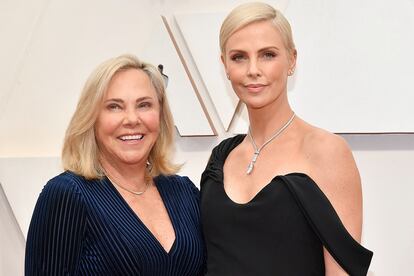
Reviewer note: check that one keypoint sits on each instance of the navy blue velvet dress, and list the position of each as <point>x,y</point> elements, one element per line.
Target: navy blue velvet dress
<point>85,227</point>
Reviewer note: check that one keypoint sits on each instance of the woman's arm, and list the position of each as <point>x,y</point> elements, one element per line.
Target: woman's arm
<point>54,240</point>
<point>335,171</point>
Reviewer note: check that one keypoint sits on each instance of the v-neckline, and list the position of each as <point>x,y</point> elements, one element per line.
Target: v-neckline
<point>144,226</point>
<point>238,140</point>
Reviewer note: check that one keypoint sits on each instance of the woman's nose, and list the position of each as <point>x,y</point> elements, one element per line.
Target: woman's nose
<point>253,69</point>
<point>132,117</point>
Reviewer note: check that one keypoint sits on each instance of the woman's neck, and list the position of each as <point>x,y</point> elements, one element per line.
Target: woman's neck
<point>132,176</point>
<point>266,121</point>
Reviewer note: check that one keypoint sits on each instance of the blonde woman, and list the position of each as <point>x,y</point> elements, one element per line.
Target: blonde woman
<point>285,199</point>
<point>118,209</point>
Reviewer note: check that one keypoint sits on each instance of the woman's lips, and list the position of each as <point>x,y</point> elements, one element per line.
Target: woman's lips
<point>131,139</point>
<point>255,87</point>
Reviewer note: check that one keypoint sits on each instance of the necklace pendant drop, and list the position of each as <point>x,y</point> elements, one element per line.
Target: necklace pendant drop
<point>251,164</point>
<point>250,168</point>
<point>258,149</point>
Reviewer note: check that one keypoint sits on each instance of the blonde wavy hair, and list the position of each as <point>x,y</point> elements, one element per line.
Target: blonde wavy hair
<point>80,152</point>
<point>248,13</point>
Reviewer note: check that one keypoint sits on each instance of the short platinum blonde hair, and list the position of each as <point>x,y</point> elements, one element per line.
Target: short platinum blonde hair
<point>81,153</point>
<point>248,13</point>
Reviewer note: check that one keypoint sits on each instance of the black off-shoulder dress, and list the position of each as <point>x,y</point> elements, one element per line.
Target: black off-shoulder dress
<point>281,231</point>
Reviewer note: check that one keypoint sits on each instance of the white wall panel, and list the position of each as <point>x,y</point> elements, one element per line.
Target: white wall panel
<point>200,32</point>
<point>355,64</point>
<point>11,240</point>
<point>22,180</point>
<point>386,163</point>
<point>185,106</point>
<point>18,24</point>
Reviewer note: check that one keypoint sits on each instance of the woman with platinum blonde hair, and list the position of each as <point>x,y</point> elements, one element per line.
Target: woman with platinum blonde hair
<point>285,199</point>
<point>118,209</point>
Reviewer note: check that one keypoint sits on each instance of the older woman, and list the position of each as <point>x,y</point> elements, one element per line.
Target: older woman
<point>118,209</point>
<point>286,198</point>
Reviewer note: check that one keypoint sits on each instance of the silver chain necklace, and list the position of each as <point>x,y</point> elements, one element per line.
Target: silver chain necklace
<point>128,190</point>
<point>258,150</point>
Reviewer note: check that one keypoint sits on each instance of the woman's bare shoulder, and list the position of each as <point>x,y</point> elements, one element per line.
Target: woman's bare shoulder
<point>333,168</point>
<point>323,147</point>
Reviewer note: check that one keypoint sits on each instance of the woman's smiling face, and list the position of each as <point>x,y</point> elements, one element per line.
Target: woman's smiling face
<point>129,119</point>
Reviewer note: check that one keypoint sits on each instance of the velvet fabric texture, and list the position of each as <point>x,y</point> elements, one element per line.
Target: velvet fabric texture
<point>85,227</point>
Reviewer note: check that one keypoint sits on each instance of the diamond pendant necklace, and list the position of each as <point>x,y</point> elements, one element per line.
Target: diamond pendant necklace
<point>258,150</point>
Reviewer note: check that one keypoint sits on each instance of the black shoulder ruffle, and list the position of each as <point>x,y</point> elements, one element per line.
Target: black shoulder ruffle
<point>350,255</point>
<point>218,155</point>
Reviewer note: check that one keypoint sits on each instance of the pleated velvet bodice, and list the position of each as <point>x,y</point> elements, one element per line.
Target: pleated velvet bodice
<point>85,227</point>
<point>281,231</point>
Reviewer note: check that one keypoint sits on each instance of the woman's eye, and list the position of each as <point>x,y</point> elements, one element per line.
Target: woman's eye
<point>269,55</point>
<point>113,106</point>
<point>237,58</point>
<point>144,105</point>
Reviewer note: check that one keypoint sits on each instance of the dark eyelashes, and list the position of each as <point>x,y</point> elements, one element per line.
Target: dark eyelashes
<point>113,106</point>
<point>236,57</point>
<point>145,104</point>
<point>267,55</point>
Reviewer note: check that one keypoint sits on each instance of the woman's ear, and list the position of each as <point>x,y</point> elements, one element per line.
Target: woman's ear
<point>292,61</point>
<point>223,60</point>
